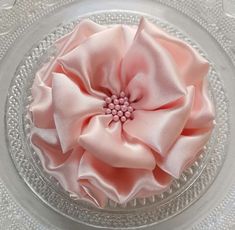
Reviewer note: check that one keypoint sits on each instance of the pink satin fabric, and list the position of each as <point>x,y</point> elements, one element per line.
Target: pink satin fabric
<point>95,158</point>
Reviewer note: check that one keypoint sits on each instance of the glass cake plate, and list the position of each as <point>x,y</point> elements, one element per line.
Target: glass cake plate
<point>203,197</point>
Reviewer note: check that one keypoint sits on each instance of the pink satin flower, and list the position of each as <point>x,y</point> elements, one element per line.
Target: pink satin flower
<point>95,156</point>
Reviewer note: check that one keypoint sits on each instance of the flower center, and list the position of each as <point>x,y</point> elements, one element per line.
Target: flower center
<point>119,107</point>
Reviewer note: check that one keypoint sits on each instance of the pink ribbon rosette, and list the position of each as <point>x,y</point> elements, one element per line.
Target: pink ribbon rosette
<point>120,111</point>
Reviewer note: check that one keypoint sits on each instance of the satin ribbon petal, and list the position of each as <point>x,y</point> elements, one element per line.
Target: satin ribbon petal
<point>183,152</point>
<point>64,167</point>
<point>92,194</point>
<point>202,114</point>
<point>41,92</point>
<point>159,129</point>
<point>84,30</point>
<point>96,61</point>
<point>192,67</point>
<point>42,105</point>
<point>113,148</point>
<point>72,108</point>
<point>149,75</point>
<point>133,182</point>
<point>81,32</point>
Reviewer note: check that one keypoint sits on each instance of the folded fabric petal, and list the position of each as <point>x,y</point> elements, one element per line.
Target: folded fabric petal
<point>63,167</point>
<point>183,152</point>
<point>149,75</point>
<point>92,194</point>
<point>97,60</point>
<point>50,155</point>
<point>81,32</point>
<point>72,108</point>
<point>159,129</point>
<point>202,114</point>
<point>133,182</point>
<point>191,66</point>
<point>114,149</point>
<point>42,105</point>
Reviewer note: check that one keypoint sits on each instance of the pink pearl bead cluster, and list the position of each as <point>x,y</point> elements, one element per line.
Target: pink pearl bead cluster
<point>119,107</point>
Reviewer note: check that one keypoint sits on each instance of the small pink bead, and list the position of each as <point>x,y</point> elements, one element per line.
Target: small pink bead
<point>123,118</point>
<point>124,108</point>
<point>117,107</point>
<point>114,111</point>
<point>108,111</point>
<point>111,106</point>
<point>121,101</point>
<point>108,100</point>
<point>114,96</point>
<point>126,103</point>
<point>116,101</point>
<point>125,98</point>
<point>120,113</point>
<point>127,114</point>
<point>130,109</point>
<point>116,118</point>
<point>122,94</point>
